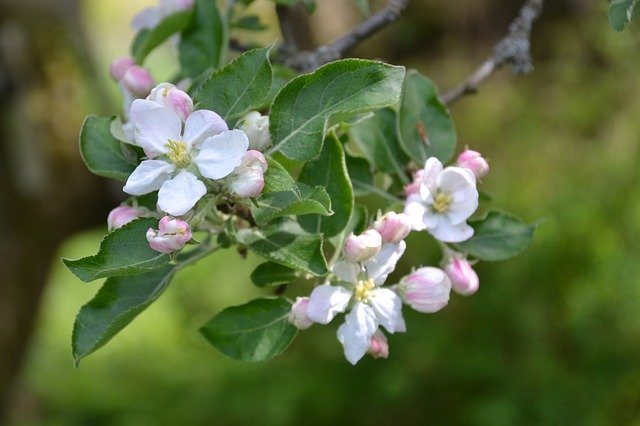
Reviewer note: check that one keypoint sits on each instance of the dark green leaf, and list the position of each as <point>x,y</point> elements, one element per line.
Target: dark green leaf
<point>124,251</point>
<point>277,178</point>
<point>250,22</point>
<point>425,128</point>
<point>361,176</point>
<point>621,12</point>
<point>204,40</point>
<point>293,202</point>
<point>253,332</point>
<point>147,40</point>
<point>269,273</point>
<point>304,109</point>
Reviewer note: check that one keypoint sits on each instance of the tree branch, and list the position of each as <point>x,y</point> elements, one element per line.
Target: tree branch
<point>514,49</point>
<point>308,61</point>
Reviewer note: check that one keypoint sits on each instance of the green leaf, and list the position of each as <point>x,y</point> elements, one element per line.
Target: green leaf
<point>498,236</point>
<point>277,178</point>
<point>293,202</point>
<point>269,273</point>
<point>204,41</point>
<point>147,40</point>
<point>376,137</point>
<point>621,12</point>
<point>256,331</point>
<point>361,176</point>
<point>250,22</point>
<point>425,128</point>
<point>297,251</point>
<point>118,302</point>
<point>330,172</point>
<point>309,104</point>
<point>103,154</point>
<point>240,86</point>
<point>125,251</point>
<point>363,7</point>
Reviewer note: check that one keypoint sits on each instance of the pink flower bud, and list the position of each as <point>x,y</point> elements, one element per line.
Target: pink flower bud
<point>298,315</point>
<point>122,215</point>
<point>393,227</point>
<point>119,67</point>
<point>256,126</point>
<point>247,180</point>
<point>138,81</point>
<point>379,347</point>
<point>414,186</point>
<point>362,247</point>
<point>172,235</point>
<point>463,278</point>
<point>474,161</point>
<point>426,289</point>
<point>173,98</point>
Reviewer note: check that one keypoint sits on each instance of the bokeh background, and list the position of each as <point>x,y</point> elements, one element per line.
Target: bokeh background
<point>552,337</point>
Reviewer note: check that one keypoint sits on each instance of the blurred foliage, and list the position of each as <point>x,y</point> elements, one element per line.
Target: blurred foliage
<point>552,337</point>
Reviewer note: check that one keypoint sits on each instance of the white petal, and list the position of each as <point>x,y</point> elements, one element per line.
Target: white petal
<point>449,233</point>
<point>415,209</point>
<point>326,301</point>
<point>145,19</point>
<point>155,125</point>
<point>379,268</point>
<point>148,177</point>
<point>221,154</point>
<point>355,334</point>
<point>432,168</point>
<point>178,195</point>
<point>346,271</point>
<point>388,308</point>
<point>201,125</point>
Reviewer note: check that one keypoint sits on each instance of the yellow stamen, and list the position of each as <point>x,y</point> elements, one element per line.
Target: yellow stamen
<point>363,290</point>
<point>442,202</point>
<point>178,153</point>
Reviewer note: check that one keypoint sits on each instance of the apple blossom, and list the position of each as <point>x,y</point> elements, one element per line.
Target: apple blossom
<point>204,148</point>
<point>379,347</point>
<point>119,67</point>
<point>463,278</point>
<point>247,180</point>
<point>446,200</point>
<point>393,227</point>
<point>172,235</point>
<point>361,247</point>
<point>124,214</point>
<point>137,81</point>
<point>151,16</point>
<point>473,161</point>
<point>256,126</point>
<point>298,315</point>
<point>426,289</point>
<point>173,98</point>
<point>414,186</point>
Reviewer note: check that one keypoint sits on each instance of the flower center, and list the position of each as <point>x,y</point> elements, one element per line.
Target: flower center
<point>178,153</point>
<point>363,290</point>
<point>442,202</point>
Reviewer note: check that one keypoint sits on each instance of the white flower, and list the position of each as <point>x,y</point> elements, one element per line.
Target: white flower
<point>151,16</point>
<point>372,305</point>
<point>178,157</point>
<point>256,126</point>
<point>446,200</point>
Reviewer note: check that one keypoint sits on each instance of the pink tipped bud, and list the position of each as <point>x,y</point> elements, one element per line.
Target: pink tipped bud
<point>256,126</point>
<point>173,98</point>
<point>119,67</point>
<point>414,186</point>
<point>362,247</point>
<point>426,289</point>
<point>463,278</point>
<point>298,315</point>
<point>393,227</point>
<point>138,81</point>
<point>247,180</point>
<point>172,235</point>
<point>122,215</point>
<point>379,347</point>
<point>474,161</point>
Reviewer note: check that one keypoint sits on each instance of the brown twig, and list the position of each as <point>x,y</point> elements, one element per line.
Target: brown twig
<point>310,60</point>
<point>514,49</point>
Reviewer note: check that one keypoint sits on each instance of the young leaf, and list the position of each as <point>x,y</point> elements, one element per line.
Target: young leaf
<point>204,40</point>
<point>238,87</point>
<point>293,202</point>
<point>103,154</point>
<point>425,128</point>
<point>277,178</point>
<point>498,236</point>
<point>304,109</point>
<point>147,40</point>
<point>296,251</point>
<point>256,331</point>
<point>269,273</point>
<point>621,12</point>
<point>124,251</point>
<point>118,302</point>
<point>330,172</point>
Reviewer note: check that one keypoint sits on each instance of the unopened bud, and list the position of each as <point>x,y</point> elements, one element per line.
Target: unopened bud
<point>298,315</point>
<point>475,162</point>
<point>464,279</point>
<point>247,180</point>
<point>393,227</point>
<point>122,215</point>
<point>362,247</point>
<point>426,289</point>
<point>173,98</point>
<point>119,67</point>
<point>379,347</point>
<point>172,235</point>
<point>256,126</point>
<point>138,81</point>
<point>414,186</point>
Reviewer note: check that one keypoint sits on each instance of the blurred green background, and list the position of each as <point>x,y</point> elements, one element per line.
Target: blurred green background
<point>552,337</point>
